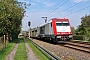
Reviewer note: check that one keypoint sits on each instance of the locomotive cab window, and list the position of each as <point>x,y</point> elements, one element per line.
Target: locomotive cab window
<point>59,24</point>
<point>65,24</point>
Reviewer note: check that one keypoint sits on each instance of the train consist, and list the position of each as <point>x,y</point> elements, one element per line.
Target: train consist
<point>55,30</point>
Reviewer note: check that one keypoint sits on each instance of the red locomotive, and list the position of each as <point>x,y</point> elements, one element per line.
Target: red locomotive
<point>57,29</point>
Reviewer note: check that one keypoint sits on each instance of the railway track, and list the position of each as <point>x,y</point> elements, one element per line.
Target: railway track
<point>52,56</point>
<point>64,53</point>
<point>86,43</point>
<point>81,46</point>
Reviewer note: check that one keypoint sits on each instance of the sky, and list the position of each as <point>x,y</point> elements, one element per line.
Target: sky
<point>74,10</point>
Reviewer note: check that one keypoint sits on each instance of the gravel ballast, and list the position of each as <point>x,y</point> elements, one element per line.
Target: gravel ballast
<point>63,52</point>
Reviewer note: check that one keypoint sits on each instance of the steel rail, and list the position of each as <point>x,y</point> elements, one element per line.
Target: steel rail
<point>51,55</point>
<point>78,46</point>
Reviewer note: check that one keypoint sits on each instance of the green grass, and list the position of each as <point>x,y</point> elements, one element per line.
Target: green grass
<point>1,46</point>
<point>4,52</point>
<point>81,40</point>
<point>21,51</point>
<point>39,54</point>
<point>85,41</point>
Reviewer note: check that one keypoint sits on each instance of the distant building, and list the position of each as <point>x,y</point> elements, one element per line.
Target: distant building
<point>24,33</point>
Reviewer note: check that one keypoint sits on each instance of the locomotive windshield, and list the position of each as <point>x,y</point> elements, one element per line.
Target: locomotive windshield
<point>65,24</point>
<point>62,24</point>
<point>58,24</point>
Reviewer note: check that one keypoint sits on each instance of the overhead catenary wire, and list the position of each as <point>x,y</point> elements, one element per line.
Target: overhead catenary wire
<point>68,8</point>
<point>58,7</point>
<point>77,11</point>
<point>81,5</point>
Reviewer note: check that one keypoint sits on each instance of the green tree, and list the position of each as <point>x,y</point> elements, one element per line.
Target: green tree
<point>11,14</point>
<point>84,28</point>
<point>73,30</point>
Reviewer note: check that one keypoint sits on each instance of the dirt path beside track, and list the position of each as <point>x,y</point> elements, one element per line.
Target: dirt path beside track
<point>11,55</point>
<point>30,54</point>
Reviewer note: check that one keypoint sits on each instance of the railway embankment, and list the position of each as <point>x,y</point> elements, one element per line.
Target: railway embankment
<point>30,54</point>
<point>63,52</point>
<point>40,55</point>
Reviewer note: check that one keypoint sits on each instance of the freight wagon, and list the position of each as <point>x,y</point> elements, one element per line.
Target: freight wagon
<point>55,30</point>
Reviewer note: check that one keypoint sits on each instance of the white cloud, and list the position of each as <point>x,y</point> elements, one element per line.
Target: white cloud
<point>48,4</point>
<point>33,4</point>
<point>38,0</point>
<point>79,0</point>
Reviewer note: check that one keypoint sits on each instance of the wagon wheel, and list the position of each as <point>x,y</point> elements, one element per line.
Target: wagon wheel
<point>54,41</point>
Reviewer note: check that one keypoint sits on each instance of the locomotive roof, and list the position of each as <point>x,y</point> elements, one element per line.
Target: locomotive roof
<point>60,19</point>
<point>45,23</point>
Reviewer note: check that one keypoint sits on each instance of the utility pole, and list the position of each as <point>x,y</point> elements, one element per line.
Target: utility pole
<point>45,18</point>
<point>29,23</point>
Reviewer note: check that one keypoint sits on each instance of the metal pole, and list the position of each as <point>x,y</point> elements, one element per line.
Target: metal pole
<point>45,18</point>
<point>29,31</point>
<point>29,23</point>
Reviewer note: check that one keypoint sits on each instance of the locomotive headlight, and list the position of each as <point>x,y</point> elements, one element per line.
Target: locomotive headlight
<point>58,36</point>
<point>36,35</point>
<point>70,36</point>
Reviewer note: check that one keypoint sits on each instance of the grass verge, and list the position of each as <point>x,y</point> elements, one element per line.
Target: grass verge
<point>39,54</point>
<point>81,40</point>
<point>4,52</point>
<point>21,51</point>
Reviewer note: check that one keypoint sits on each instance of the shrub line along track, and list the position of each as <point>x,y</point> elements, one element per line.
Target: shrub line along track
<point>52,56</point>
<point>84,47</point>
